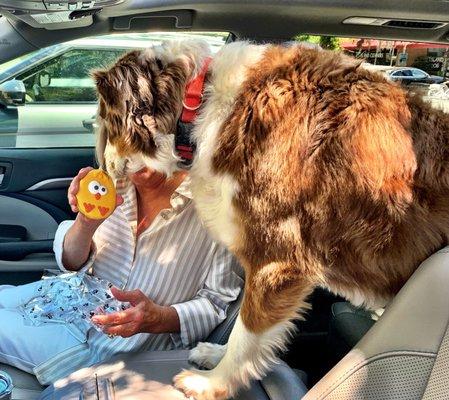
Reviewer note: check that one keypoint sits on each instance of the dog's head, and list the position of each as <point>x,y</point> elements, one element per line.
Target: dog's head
<point>140,101</point>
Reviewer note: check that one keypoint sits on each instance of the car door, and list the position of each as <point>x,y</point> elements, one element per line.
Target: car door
<point>60,97</point>
<point>33,202</point>
<point>407,77</point>
<point>42,147</point>
<point>420,76</point>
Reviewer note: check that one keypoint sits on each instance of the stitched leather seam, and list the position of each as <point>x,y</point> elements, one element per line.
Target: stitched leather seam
<point>325,392</point>
<point>439,347</point>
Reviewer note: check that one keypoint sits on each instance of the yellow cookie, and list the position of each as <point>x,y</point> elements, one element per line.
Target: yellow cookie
<point>96,196</point>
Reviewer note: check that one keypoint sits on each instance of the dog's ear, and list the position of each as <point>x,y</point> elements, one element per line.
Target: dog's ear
<point>105,87</point>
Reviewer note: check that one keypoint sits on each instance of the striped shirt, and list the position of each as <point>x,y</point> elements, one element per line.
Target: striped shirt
<point>174,262</point>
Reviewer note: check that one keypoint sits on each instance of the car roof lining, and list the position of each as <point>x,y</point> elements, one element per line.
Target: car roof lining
<point>257,20</point>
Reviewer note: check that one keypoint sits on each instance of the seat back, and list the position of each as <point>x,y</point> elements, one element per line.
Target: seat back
<point>406,353</point>
<point>220,334</point>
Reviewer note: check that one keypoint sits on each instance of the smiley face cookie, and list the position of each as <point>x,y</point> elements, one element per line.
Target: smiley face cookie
<point>96,196</point>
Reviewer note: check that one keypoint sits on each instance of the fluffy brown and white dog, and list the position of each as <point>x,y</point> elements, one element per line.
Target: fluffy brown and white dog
<point>311,169</point>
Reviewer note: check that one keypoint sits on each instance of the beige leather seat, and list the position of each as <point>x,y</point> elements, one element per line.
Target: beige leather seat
<point>405,356</point>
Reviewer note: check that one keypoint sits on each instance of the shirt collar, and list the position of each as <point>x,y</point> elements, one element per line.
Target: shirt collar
<point>184,188</point>
<point>127,190</point>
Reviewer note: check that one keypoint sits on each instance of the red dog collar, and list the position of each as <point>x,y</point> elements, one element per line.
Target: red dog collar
<point>193,99</point>
<point>194,94</point>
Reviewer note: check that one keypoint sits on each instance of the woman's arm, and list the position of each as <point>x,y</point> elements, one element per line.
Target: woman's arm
<point>201,315</point>
<point>190,321</point>
<point>77,242</point>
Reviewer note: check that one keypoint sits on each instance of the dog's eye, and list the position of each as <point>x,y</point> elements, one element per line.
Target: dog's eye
<point>159,63</point>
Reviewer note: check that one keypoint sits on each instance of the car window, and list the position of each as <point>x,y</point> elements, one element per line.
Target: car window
<point>21,63</point>
<point>418,73</point>
<point>50,98</point>
<point>405,62</point>
<point>66,78</point>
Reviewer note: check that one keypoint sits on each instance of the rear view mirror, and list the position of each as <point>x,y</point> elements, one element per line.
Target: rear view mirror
<point>12,93</point>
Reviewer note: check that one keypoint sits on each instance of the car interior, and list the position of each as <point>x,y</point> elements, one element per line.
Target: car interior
<point>338,351</point>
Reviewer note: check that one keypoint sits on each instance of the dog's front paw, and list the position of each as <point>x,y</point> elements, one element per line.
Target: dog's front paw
<point>198,385</point>
<point>207,355</point>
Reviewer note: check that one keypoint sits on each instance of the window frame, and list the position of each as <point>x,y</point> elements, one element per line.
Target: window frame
<point>397,74</point>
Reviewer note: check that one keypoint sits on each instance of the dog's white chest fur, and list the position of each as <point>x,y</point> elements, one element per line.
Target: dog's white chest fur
<point>213,194</point>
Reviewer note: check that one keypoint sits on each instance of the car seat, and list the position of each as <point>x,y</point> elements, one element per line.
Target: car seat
<point>348,324</point>
<point>403,356</point>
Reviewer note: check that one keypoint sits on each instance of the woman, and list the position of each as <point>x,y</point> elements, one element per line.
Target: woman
<point>159,258</point>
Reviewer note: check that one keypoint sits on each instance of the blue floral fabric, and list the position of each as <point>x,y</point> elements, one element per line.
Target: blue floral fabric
<point>72,299</point>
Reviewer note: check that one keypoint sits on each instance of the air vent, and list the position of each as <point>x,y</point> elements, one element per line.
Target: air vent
<point>413,24</point>
<point>395,23</point>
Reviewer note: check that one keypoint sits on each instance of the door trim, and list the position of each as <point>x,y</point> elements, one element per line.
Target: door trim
<point>55,183</point>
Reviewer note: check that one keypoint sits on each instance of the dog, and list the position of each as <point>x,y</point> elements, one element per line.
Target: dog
<point>312,170</point>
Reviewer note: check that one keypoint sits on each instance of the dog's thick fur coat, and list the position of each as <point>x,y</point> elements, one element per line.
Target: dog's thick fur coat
<point>311,169</point>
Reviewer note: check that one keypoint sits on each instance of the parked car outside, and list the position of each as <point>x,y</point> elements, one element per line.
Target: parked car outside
<point>407,75</point>
<point>53,92</point>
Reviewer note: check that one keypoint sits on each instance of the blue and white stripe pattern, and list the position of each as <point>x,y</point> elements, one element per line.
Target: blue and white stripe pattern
<point>174,262</point>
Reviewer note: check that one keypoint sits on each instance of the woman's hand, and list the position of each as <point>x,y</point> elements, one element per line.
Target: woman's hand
<point>71,195</point>
<point>78,239</point>
<point>144,316</point>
